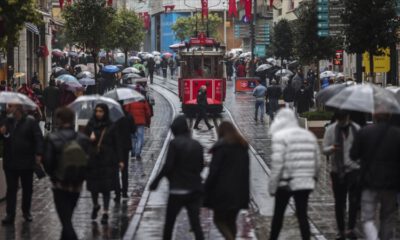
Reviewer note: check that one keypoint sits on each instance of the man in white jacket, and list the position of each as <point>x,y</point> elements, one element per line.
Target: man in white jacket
<point>294,169</point>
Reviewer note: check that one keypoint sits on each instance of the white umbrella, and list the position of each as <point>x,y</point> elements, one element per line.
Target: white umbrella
<point>272,61</point>
<point>340,75</point>
<point>125,94</point>
<point>283,72</point>
<point>263,67</point>
<point>156,53</point>
<point>130,70</point>
<point>85,74</point>
<point>327,74</point>
<point>17,98</point>
<point>85,105</point>
<point>87,81</point>
<point>365,98</point>
<point>83,67</point>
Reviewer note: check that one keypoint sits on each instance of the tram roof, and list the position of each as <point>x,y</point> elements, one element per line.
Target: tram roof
<point>202,52</point>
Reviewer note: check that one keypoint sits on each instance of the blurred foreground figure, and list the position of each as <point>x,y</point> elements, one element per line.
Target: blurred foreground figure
<point>378,147</point>
<point>65,160</point>
<point>182,167</point>
<point>294,169</point>
<point>228,184</point>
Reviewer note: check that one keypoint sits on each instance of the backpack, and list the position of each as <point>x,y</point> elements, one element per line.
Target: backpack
<point>72,163</point>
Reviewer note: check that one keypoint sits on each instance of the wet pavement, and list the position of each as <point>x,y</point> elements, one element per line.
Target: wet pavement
<point>46,226</point>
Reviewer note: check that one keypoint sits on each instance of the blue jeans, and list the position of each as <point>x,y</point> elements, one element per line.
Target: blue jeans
<point>137,141</point>
<point>260,105</point>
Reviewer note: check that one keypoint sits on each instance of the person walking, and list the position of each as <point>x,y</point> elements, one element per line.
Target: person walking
<point>51,100</point>
<point>241,69</point>
<point>105,159</point>
<point>378,148</point>
<point>289,95</point>
<point>141,113</point>
<point>227,187</point>
<point>66,157</point>
<point>345,173</point>
<point>202,108</point>
<point>164,67</point>
<point>157,60</point>
<point>126,128</point>
<point>303,100</point>
<point>183,167</point>
<point>274,92</point>
<point>22,150</point>
<point>292,174</point>
<point>229,69</point>
<point>172,66</point>
<point>259,93</point>
<point>151,67</point>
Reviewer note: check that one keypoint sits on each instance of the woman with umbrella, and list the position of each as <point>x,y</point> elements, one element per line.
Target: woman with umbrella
<point>105,159</point>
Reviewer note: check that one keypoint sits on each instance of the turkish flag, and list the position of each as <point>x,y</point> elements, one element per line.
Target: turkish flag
<point>247,8</point>
<point>271,2</point>
<point>232,11</point>
<point>110,2</point>
<point>61,2</point>
<point>204,9</point>
<point>146,20</point>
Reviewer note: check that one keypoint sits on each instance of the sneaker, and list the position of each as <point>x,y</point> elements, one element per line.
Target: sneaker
<point>95,212</point>
<point>8,220</point>
<point>104,219</point>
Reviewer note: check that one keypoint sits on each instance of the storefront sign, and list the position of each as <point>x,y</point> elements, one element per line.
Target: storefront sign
<point>243,84</point>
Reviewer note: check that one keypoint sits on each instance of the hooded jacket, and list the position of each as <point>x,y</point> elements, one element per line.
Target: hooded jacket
<point>184,161</point>
<point>295,154</point>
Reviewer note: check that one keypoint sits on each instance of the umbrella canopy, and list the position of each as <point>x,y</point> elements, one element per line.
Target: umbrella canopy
<point>166,54</point>
<point>73,54</point>
<point>110,69</point>
<point>125,94</point>
<point>263,67</point>
<point>156,53</point>
<point>67,78</point>
<point>130,70</point>
<point>130,75</point>
<point>85,74</point>
<point>135,58</point>
<point>87,81</point>
<point>90,67</point>
<point>83,67</point>
<point>327,74</point>
<point>57,53</point>
<point>176,45</point>
<point>283,72</point>
<point>271,61</point>
<point>365,98</point>
<point>17,98</point>
<point>340,75</point>
<point>85,105</point>
<point>327,93</point>
<point>72,86</point>
<point>58,71</point>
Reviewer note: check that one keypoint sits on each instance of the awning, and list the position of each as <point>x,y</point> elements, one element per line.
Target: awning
<point>32,27</point>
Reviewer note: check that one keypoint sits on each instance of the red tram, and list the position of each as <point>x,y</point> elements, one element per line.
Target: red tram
<point>202,64</point>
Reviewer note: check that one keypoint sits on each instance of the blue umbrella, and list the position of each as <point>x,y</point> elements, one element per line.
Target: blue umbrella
<point>67,78</point>
<point>110,69</point>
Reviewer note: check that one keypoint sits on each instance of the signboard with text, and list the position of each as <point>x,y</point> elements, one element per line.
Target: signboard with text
<point>381,63</point>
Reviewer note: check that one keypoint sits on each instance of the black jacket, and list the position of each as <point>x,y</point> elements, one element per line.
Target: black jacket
<point>51,97</point>
<point>151,64</point>
<point>228,184</point>
<point>184,162</point>
<point>22,143</point>
<point>303,100</point>
<point>202,98</point>
<point>274,92</point>
<point>103,163</point>
<point>126,127</point>
<point>378,147</point>
<point>289,93</point>
<point>54,146</point>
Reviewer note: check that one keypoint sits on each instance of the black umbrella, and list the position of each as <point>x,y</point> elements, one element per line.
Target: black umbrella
<point>58,71</point>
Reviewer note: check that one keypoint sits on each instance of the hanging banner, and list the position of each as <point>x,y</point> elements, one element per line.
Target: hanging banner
<point>61,2</point>
<point>204,9</point>
<point>271,3</point>
<point>232,11</point>
<point>247,9</point>
<point>146,20</point>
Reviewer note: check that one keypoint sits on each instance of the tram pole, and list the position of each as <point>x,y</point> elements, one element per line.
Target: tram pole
<point>253,37</point>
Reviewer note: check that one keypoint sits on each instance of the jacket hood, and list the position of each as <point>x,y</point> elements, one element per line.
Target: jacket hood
<point>285,119</point>
<point>179,126</point>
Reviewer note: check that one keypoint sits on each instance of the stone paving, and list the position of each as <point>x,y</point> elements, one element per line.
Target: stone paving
<point>46,225</point>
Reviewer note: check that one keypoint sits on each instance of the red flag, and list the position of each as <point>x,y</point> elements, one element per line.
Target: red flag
<point>204,9</point>
<point>109,2</point>
<point>146,20</point>
<point>232,11</point>
<point>247,9</point>
<point>271,3</point>
<point>61,2</point>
